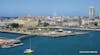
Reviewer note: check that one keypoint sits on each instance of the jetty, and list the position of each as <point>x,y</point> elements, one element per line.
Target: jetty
<point>8,43</point>
<point>23,37</point>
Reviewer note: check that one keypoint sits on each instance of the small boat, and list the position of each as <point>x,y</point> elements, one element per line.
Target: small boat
<point>29,50</point>
<point>69,31</point>
<point>14,45</point>
<point>11,45</point>
<point>60,30</point>
<point>5,46</point>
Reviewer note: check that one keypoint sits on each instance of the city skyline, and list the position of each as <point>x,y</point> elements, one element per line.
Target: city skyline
<point>47,8</point>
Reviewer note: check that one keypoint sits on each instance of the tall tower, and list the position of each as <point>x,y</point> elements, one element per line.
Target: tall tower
<point>91,12</point>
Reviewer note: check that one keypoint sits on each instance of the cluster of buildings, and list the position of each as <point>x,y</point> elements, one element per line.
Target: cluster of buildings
<point>63,21</point>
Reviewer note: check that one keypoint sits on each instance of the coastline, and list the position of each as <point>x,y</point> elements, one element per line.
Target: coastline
<point>52,34</point>
<point>48,34</point>
<point>90,29</point>
<point>77,28</point>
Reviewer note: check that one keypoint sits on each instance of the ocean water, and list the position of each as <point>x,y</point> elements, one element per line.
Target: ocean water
<point>67,45</point>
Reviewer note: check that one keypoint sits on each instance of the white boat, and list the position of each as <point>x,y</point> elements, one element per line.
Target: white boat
<point>60,30</point>
<point>5,46</point>
<point>29,50</point>
<point>69,31</point>
<point>17,44</point>
<point>11,45</point>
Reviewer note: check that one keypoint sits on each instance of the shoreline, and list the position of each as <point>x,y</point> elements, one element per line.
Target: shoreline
<point>55,34</point>
<point>13,32</point>
<point>88,29</point>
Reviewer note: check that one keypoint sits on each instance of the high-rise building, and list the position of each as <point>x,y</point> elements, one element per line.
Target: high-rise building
<point>91,12</point>
<point>99,14</point>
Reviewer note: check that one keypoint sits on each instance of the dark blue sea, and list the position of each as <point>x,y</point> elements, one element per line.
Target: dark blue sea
<point>66,45</point>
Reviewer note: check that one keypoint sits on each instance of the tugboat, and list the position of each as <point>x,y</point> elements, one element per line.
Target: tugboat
<point>29,50</point>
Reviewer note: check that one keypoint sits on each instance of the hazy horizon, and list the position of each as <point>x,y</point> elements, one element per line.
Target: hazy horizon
<point>13,8</point>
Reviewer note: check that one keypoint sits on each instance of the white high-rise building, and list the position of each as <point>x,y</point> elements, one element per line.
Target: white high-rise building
<point>91,12</point>
<point>99,14</point>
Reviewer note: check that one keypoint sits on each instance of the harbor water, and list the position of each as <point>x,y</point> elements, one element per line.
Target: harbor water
<point>66,45</point>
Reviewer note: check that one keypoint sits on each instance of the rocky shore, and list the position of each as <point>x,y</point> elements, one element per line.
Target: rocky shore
<point>7,43</point>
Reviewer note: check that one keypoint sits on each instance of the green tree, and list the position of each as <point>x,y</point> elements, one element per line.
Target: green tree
<point>96,24</point>
<point>14,25</point>
<point>46,24</point>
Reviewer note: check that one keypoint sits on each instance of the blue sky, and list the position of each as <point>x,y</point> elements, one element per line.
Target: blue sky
<point>47,7</point>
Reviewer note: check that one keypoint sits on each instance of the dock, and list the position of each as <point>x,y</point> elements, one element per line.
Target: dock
<point>23,37</point>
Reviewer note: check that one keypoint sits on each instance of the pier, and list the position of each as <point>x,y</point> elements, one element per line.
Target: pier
<point>22,37</point>
<point>8,43</point>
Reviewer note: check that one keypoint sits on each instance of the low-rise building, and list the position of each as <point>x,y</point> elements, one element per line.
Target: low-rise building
<point>5,21</point>
<point>28,22</point>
